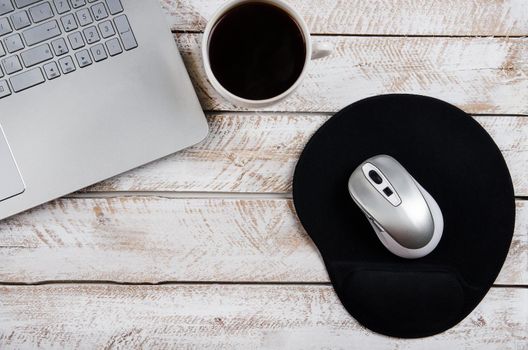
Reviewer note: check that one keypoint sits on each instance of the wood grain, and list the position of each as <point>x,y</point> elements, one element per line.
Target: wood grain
<point>258,152</point>
<point>380,17</point>
<point>228,317</point>
<point>253,237</point>
<point>479,75</point>
<point>154,239</point>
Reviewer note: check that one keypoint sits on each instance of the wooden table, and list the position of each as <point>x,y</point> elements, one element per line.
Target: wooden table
<point>203,249</point>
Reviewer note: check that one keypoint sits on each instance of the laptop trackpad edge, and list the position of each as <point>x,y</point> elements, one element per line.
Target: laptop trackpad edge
<point>11,182</point>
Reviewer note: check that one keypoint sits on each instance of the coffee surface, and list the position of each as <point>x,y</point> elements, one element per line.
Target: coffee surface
<point>257,51</point>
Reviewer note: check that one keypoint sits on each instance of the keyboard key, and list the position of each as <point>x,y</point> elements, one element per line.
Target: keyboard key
<point>114,6</point>
<point>67,65</point>
<point>125,32</point>
<point>98,52</point>
<point>36,55</point>
<point>84,17</point>
<point>114,47</point>
<point>61,6</point>
<point>6,6</point>
<point>5,27</point>
<point>76,40</point>
<point>20,20</point>
<point>107,29</point>
<point>83,58</point>
<point>41,12</point>
<point>39,52</point>
<point>59,47</point>
<point>69,23</point>
<point>77,3</point>
<point>4,89</point>
<point>12,65</point>
<point>42,32</point>
<point>13,43</point>
<point>99,11</point>
<point>24,3</point>
<point>91,35</point>
<point>51,70</point>
<point>27,79</point>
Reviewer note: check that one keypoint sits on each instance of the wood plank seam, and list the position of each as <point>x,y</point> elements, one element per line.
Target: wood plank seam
<point>95,194</point>
<point>440,36</point>
<point>197,283</point>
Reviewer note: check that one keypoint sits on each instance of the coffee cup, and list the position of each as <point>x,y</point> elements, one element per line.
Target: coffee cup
<point>227,48</point>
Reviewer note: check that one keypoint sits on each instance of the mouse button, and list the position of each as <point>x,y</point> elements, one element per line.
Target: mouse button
<point>388,166</point>
<point>360,188</point>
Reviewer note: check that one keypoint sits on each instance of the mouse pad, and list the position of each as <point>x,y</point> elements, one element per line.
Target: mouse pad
<point>458,163</point>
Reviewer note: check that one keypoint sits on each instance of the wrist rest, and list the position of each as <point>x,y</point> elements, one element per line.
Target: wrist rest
<point>434,294</point>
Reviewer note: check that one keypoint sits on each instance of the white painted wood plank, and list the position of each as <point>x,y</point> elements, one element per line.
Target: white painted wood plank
<point>380,17</point>
<point>149,239</point>
<point>229,317</point>
<point>480,75</point>
<point>258,153</point>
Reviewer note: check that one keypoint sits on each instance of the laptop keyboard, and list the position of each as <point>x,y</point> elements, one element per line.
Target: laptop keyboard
<point>44,40</point>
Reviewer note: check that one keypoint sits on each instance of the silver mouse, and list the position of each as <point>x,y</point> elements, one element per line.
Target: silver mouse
<point>405,217</point>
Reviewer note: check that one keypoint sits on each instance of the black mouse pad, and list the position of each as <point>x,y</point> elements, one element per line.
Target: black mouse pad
<point>458,163</point>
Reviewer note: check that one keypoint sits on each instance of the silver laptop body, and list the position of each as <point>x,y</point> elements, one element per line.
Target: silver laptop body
<point>72,115</point>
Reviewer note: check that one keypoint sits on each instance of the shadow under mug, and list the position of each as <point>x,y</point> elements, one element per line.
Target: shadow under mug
<point>314,50</point>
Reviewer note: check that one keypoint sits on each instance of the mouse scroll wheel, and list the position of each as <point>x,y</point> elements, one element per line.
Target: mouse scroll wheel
<point>375,177</point>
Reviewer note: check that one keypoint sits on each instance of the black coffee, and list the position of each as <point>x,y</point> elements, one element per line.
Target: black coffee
<point>257,51</point>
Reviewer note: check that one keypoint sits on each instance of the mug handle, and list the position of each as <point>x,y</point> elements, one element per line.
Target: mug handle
<point>320,50</point>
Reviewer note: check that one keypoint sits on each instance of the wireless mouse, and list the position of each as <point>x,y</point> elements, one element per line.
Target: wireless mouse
<point>405,217</point>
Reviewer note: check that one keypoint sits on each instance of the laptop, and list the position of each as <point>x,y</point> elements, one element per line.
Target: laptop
<point>88,89</point>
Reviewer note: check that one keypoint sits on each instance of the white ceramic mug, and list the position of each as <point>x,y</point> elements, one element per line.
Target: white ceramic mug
<point>313,51</point>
